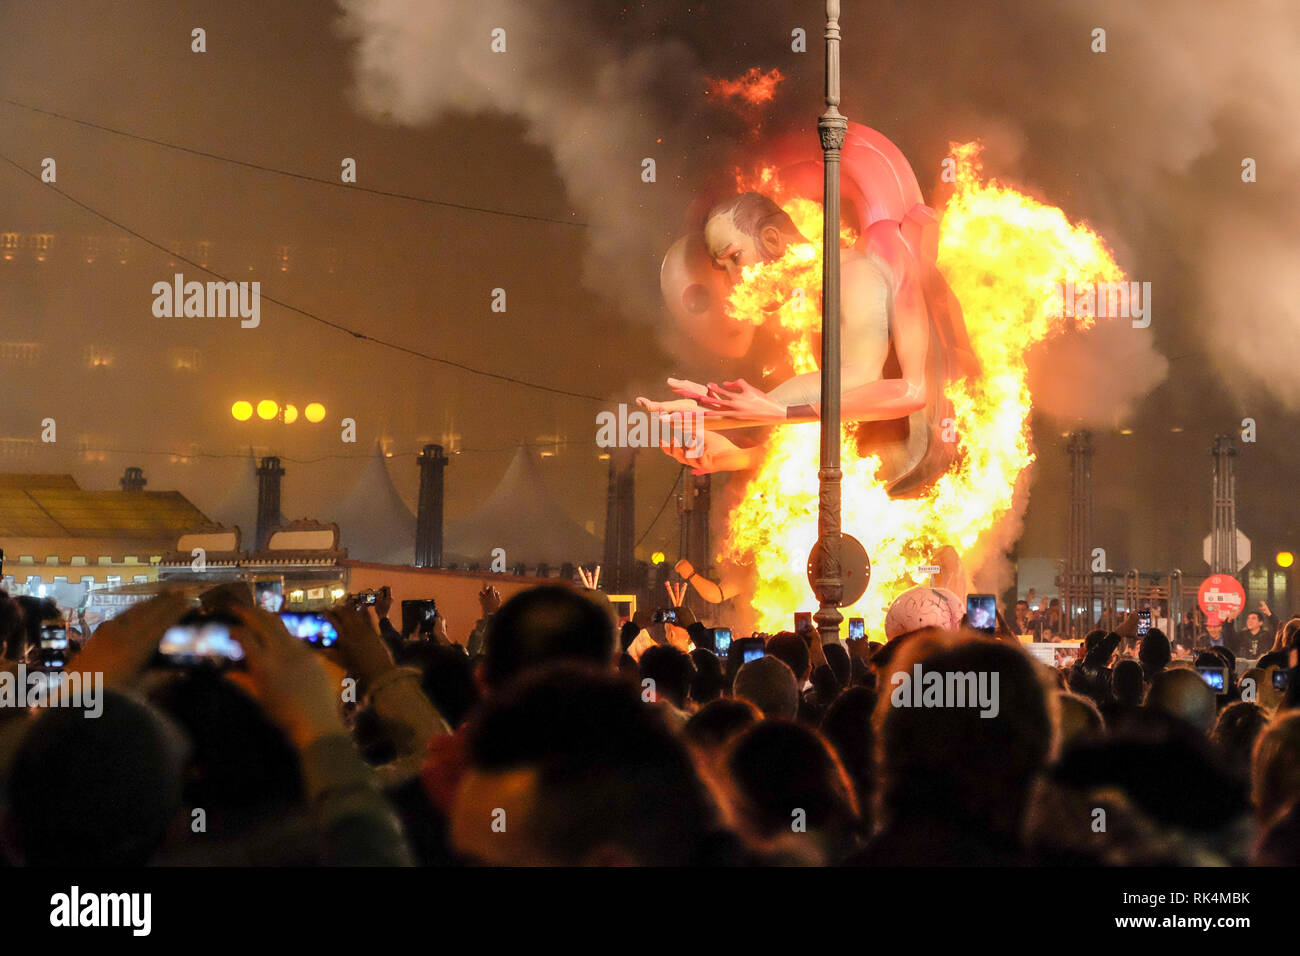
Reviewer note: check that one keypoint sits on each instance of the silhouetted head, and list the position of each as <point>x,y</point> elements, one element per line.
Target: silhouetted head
<point>1183,694</point>
<point>847,725</point>
<point>569,767</point>
<point>1155,653</point>
<point>1275,767</point>
<point>446,676</point>
<point>791,649</point>
<point>671,670</point>
<point>788,781</point>
<point>96,791</point>
<point>1128,684</point>
<point>768,684</point>
<point>240,762</point>
<point>1236,731</point>
<point>1080,718</point>
<point>837,659</point>
<point>715,724</point>
<point>543,625</point>
<point>709,679</point>
<point>952,762</point>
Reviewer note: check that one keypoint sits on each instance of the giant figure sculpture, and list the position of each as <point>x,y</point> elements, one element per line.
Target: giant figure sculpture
<point>903,337</point>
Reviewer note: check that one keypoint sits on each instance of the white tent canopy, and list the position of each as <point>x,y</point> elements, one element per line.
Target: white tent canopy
<point>522,517</point>
<point>374,522</point>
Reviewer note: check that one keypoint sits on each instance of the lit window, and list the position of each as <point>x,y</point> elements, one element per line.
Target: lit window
<point>183,359</point>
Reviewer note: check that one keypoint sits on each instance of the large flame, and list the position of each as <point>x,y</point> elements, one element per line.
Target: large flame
<point>752,88</point>
<point>1002,254</point>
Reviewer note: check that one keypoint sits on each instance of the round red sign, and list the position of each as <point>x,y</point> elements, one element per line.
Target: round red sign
<point>1220,596</point>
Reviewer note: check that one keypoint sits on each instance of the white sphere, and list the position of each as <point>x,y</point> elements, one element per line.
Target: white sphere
<point>923,607</point>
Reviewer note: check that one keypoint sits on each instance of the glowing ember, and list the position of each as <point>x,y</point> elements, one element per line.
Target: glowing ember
<point>1001,253</point>
<point>753,87</point>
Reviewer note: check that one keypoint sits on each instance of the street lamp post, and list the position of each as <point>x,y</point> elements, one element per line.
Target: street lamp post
<point>831,129</point>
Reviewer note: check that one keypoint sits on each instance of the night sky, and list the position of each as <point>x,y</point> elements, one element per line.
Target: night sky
<point>1145,142</point>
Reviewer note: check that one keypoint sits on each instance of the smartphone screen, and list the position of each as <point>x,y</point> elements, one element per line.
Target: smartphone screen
<point>744,650</point>
<point>803,621</point>
<point>270,595</point>
<point>54,645</point>
<point>418,614</point>
<point>1144,622</point>
<point>198,644</point>
<point>315,629</point>
<point>1214,677</point>
<point>54,637</point>
<point>857,629</point>
<point>982,612</point>
<point>721,641</point>
<point>1281,679</point>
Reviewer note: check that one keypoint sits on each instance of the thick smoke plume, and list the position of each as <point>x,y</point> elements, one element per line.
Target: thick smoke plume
<point>1144,140</point>
<point>598,107</point>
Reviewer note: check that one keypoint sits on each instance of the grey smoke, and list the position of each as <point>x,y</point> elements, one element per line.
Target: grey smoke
<point>599,109</point>
<point>1145,137</point>
<point>1144,142</point>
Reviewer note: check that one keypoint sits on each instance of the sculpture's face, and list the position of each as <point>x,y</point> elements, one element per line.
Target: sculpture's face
<point>730,248</point>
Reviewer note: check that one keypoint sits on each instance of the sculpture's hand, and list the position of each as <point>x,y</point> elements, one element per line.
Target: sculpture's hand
<point>705,452</point>
<point>739,399</point>
<point>688,405</point>
<point>688,389</point>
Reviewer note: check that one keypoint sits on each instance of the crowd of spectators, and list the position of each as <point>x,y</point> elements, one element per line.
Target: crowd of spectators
<point>552,737</point>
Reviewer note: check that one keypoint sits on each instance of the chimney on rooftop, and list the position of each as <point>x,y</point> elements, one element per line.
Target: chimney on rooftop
<point>133,479</point>
<point>269,474</point>
<point>428,518</point>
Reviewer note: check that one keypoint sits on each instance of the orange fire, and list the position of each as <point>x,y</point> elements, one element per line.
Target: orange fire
<point>1002,254</point>
<point>753,87</point>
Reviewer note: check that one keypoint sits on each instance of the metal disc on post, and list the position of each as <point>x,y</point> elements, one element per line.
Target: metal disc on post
<point>855,569</point>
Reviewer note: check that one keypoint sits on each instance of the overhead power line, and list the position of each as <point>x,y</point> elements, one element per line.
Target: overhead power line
<point>320,180</point>
<point>338,327</point>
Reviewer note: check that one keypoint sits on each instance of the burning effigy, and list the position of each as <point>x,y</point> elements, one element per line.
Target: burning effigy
<point>939,308</point>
